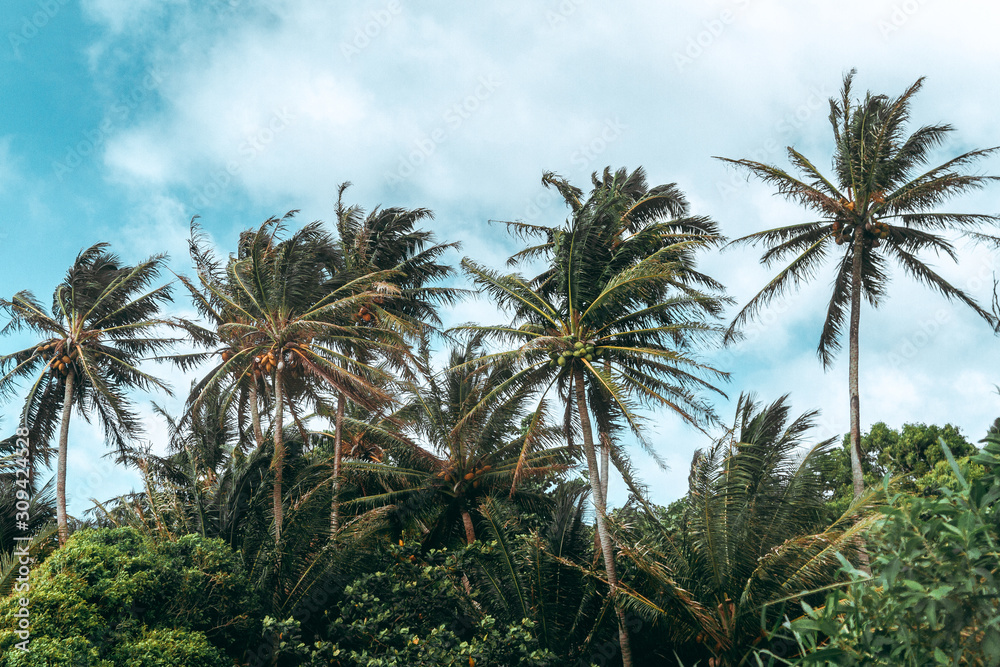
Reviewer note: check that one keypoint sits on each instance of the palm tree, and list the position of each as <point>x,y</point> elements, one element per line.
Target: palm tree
<point>547,573</point>
<point>387,242</point>
<point>103,322</point>
<point>626,221</point>
<point>283,327</point>
<point>622,334</point>
<point>207,483</point>
<point>880,206</point>
<point>453,452</point>
<point>751,535</point>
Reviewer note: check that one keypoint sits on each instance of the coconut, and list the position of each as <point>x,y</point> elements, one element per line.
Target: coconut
<point>579,345</point>
<point>589,357</point>
<point>561,361</point>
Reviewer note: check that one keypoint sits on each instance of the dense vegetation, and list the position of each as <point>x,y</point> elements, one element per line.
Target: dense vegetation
<point>350,484</point>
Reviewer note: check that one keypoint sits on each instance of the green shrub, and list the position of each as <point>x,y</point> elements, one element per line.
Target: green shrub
<point>116,595</point>
<point>933,597</point>
<point>415,613</point>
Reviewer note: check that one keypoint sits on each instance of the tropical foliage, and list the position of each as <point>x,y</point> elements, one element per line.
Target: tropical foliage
<point>932,599</point>
<point>751,533</point>
<point>346,483</point>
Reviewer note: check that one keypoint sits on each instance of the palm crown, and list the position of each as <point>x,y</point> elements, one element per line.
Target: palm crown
<point>283,322</point>
<point>451,452</point>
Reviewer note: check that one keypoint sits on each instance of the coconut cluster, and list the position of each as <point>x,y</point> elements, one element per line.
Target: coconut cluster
<point>452,477</point>
<point>272,360</point>
<point>365,315</point>
<point>574,349</point>
<point>62,356</point>
<point>268,362</point>
<point>875,231</point>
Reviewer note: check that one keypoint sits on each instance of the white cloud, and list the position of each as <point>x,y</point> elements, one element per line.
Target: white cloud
<point>378,90</point>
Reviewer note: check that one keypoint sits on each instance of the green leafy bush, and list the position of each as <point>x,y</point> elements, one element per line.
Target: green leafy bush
<point>933,597</point>
<point>416,612</point>
<point>116,597</point>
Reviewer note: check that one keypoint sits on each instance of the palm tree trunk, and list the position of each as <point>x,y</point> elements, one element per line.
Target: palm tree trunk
<point>853,335</point>
<point>605,439</point>
<point>67,408</point>
<point>470,530</point>
<point>258,432</point>
<point>338,440</point>
<point>600,506</point>
<point>278,461</point>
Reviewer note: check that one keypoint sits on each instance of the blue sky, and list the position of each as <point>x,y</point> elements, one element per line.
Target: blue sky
<point>122,119</point>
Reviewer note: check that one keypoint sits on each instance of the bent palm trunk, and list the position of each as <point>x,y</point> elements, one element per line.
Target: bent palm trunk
<point>600,506</point>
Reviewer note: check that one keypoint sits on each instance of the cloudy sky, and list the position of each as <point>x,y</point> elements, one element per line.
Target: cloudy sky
<point>122,119</point>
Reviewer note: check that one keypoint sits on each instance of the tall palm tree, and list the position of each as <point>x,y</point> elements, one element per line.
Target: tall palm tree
<point>627,220</point>
<point>283,327</point>
<point>623,333</point>
<point>103,322</point>
<point>879,206</point>
<point>387,242</point>
<point>211,295</point>
<point>751,535</point>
